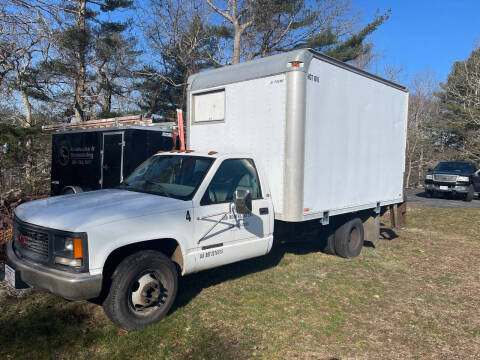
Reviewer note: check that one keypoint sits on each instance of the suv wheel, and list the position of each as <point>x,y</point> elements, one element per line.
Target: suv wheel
<point>471,193</point>
<point>143,289</point>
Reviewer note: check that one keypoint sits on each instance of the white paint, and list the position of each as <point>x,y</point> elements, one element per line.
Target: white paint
<point>354,140</point>
<point>254,123</point>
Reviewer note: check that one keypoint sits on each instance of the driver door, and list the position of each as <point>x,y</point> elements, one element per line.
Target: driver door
<point>223,236</point>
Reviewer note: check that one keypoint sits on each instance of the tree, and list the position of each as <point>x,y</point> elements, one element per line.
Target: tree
<point>74,38</point>
<point>423,115</point>
<point>460,102</point>
<point>183,43</point>
<point>253,28</point>
<point>21,44</point>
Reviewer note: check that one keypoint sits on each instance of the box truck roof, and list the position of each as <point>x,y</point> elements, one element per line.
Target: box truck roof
<point>272,65</point>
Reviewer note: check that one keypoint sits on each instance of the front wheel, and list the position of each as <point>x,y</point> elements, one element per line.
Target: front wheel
<point>470,194</point>
<point>143,289</point>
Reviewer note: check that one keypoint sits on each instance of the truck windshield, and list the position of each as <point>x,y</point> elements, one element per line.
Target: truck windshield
<point>175,176</point>
<point>453,166</point>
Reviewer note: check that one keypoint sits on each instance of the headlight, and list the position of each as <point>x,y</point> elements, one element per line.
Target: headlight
<point>463,178</point>
<point>69,250</point>
<point>429,177</point>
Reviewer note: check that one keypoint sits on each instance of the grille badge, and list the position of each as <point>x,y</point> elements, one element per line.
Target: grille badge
<point>23,240</point>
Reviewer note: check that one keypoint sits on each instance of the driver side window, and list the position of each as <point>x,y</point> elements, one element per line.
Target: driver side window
<point>233,174</point>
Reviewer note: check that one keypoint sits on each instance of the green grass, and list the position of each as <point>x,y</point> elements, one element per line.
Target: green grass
<point>416,295</point>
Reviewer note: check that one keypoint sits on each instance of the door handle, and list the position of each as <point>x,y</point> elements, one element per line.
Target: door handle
<point>264,211</point>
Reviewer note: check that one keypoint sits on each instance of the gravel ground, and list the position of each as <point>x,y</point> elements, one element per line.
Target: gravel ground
<point>417,197</point>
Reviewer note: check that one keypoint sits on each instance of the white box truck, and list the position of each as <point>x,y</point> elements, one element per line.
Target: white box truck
<point>292,139</point>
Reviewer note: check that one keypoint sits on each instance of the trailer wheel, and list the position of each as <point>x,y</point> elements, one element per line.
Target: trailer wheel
<point>71,190</point>
<point>349,239</point>
<point>471,193</point>
<point>143,289</point>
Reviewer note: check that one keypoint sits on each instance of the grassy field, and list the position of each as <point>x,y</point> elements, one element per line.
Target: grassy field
<point>415,295</point>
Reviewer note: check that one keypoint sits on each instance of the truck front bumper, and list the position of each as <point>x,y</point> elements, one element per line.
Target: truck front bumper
<point>82,286</point>
<point>454,189</point>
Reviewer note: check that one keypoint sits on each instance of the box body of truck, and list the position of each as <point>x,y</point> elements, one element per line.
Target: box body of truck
<point>330,136</point>
<point>93,159</point>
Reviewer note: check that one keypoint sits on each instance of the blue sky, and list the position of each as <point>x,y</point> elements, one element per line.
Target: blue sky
<point>424,34</point>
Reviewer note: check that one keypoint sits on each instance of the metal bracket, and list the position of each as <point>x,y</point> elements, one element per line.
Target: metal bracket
<point>325,220</point>
<point>377,209</point>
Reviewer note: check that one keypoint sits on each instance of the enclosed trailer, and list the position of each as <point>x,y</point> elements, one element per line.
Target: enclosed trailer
<point>330,136</point>
<point>98,158</point>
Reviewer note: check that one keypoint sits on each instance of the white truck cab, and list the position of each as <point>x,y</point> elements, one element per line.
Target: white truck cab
<point>299,138</point>
<point>181,204</point>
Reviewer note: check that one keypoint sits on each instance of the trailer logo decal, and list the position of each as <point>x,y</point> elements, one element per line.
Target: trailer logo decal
<point>63,155</point>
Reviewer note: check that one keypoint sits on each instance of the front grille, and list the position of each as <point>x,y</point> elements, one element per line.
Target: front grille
<point>445,178</point>
<point>33,240</point>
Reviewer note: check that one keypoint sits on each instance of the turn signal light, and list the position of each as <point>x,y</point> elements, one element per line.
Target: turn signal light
<point>189,151</point>
<point>77,248</point>
<point>212,152</point>
<point>296,64</point>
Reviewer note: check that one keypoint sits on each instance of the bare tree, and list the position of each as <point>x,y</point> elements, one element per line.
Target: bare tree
<point>262,27</point>
<point>423,112</point>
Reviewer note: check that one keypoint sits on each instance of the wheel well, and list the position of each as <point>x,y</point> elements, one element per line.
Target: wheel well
<point>168,247</point>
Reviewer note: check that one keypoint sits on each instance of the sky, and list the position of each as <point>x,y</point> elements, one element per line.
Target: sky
<point>424,34</point>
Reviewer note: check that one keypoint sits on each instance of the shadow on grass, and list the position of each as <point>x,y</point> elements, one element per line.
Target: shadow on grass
<point>387,234</point>
<point>43,329</point>
<point>193,284</point>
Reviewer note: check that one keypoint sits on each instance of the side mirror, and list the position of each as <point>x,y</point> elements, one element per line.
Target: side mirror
<point>242,199</point>
<point>429,169</point>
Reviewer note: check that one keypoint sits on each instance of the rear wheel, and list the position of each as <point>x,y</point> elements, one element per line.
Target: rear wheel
<point>349,239</point>
<point>329,244</point>
<point>143,289</point>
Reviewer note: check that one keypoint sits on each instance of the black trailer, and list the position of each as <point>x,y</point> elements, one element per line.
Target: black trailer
<point>92,159</point>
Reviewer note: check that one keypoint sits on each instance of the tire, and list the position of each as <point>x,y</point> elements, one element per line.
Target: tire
<point>329,244</point>
<point>428,194</point>
<point>143,289</point>
<point>471,193</point>
<point>349,239</point>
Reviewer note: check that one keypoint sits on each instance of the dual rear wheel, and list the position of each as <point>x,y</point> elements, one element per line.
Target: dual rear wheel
<point>347,240</point>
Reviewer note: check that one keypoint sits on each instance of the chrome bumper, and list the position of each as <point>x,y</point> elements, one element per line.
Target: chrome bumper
<point>70,286</point>
<point>461,189</point>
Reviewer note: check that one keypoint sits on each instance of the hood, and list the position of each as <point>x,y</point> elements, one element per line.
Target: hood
<point>463,173</point>
<point>79,212</point>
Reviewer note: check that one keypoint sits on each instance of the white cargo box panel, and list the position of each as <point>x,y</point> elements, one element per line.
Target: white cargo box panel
<point>330,137</point>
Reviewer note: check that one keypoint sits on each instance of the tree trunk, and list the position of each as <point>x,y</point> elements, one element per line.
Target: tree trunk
<point>409,172</point>
<point>236,44</point>
<point>420,166</point>
<point>81,64</point>
<point>28,107</point>
<point>107,101</point>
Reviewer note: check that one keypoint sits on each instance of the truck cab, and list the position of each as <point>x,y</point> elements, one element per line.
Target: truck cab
<point>178,212</point>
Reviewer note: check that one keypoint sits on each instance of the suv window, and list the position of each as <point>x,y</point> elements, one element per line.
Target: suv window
<point>233,174</point>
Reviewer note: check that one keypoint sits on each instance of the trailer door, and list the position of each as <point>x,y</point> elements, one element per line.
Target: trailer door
<point>112,159</point>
